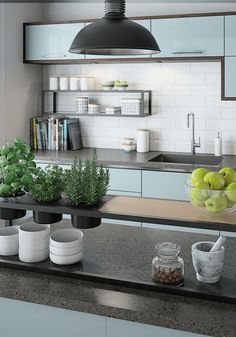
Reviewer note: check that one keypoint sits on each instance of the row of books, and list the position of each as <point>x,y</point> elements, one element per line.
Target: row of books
<point>50,133</point>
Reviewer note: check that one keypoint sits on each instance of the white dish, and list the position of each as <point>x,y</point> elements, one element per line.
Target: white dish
<point>34,232</point>
<point>108,83</point>
<point>66,238</point>
<point>29,245</point>
<point>107,87</point>
<point>66,251</point>
<point>66,260</point>
<point>9,240</point>
<point>33,257</point>
<point>128,148</point>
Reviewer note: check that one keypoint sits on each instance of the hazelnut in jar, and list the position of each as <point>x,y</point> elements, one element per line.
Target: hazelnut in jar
<point>167,266</point>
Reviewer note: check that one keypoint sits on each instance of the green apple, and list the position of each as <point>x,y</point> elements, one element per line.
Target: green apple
<point>216,205</point>
<point>229,174</point>
<point>215,180</point>
<point>198,203</point>
<point>231,192</point>
<point>200,191</point>
<point>198,174</point>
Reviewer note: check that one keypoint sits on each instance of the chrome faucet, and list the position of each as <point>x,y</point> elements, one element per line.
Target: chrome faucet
<point>194,144</point>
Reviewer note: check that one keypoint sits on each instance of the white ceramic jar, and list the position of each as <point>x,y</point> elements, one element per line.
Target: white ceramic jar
<point>87,83</point>
<point>74,83</point>
<point>9,240</point>
<point>64,83</point>
<point>142,140</point>
<point>53,83</point>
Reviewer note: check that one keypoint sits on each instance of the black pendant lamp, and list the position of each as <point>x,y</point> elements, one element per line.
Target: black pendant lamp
<point>114,34</point>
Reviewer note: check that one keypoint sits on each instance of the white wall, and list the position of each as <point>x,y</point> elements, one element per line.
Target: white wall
<point>178,89</point>
<point>20,82</point>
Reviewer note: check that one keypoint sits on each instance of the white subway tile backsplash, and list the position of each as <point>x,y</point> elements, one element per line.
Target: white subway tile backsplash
<point>177,89</point>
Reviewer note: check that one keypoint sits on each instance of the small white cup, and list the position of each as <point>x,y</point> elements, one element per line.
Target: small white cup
<point>64,83</point>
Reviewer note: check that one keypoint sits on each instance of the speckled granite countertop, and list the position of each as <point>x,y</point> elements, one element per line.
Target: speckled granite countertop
<point>144,306</point>
<point>121,159</point>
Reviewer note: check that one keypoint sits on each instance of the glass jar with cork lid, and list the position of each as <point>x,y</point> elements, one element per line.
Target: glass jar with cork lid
<point>167,266</point>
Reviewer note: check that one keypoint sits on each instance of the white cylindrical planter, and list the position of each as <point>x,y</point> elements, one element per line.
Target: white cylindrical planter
<point>142,136</point>
<point>74,83</point>
<point>208,265</point>
<point>53,83</point>
<point>64,83</point>
<point>9,240</point>
<point>34,242</point>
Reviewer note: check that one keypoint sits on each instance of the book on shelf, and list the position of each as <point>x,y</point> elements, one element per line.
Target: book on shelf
<point>55,133</point>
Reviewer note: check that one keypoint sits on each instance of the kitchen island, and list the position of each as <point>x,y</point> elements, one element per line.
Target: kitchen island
<point>106,251</point>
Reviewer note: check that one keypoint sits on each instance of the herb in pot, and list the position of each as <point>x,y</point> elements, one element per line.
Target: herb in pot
<point>46,185</point>
<point>16,165</point>
<point>85,184</point>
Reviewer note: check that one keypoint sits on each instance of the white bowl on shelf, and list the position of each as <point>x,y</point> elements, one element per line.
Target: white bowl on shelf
<point>33,256</point>
<point>33,232</point>
<point>66,238</point>
<point>9,240</point>
<point>66,251</point>
<point>66,260</point>
<point>129,147</point>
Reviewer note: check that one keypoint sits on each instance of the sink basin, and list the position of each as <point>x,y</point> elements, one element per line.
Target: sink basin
<point>187,159</point>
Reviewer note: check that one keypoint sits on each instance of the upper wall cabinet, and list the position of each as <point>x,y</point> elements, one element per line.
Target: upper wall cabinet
<point>144,23</point>
<point>50,42</point>
<point>230,35</point>
<point>188,37</point>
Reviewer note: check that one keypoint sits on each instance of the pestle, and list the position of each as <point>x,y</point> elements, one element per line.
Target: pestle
<point>218,244</point>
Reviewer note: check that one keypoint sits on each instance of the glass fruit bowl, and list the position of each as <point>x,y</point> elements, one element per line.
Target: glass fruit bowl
<point>210,201</point>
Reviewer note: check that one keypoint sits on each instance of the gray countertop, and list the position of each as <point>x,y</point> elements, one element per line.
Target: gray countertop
<point>144,306</point>
<point>121,159</point>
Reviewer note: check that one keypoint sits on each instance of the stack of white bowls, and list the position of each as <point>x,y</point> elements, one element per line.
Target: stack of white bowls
<point>66,246</point>
<point>94,108</point>
<point>34,242</point>
<point>9,240</point>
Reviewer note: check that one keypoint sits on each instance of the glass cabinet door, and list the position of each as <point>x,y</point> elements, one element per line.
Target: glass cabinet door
<point>187,37</point>
<point>230,35</point>
<point>51,41</point>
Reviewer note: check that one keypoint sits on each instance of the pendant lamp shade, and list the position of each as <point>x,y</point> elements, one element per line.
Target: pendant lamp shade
<point>114,35</point>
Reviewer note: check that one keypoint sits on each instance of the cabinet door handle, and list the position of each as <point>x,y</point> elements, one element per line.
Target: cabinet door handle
<point>51,56</point>
<point>187,52</point>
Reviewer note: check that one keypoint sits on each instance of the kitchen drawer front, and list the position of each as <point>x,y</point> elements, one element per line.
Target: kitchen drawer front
<point>24,319</point>
<point>123,222</point>
<point>230,35</point>
<point>51,42</point>
<point>230,75</point>
<point>144,23</point>
<point>118,328</point>
<point>187,37</point>
<point>164,185</point>
<point>125,180</point>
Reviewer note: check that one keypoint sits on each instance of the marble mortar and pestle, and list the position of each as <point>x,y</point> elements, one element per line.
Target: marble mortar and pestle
<point>208,260</point>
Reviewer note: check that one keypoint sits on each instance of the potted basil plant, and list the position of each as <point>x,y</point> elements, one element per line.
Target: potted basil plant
<point>46,186</point>
<point>16,166</point>
<point>85,185</point>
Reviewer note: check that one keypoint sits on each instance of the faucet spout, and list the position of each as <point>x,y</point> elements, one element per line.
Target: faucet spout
<point>194,144</point>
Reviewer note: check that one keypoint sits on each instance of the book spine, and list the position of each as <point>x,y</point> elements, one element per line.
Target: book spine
<point>31,134</point>
<point>35,134</point>
<point>52,134</point>
<point>42,135</point>
<point>39,144</point>
<point>61,135</point>
<point>65,134</point>
<point>45,132</point>
<point>57,134</point>
<point>49,133</point>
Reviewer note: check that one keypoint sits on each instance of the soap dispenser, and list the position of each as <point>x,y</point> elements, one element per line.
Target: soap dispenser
<point>218,145</point>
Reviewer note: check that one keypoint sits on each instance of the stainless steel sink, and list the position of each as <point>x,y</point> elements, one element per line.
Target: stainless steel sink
<point>187,159</point>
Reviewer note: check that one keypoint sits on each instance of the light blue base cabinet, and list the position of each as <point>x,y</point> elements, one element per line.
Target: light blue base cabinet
<point>192,36</point>
<point>119,328</point>
<point>22,319</point>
